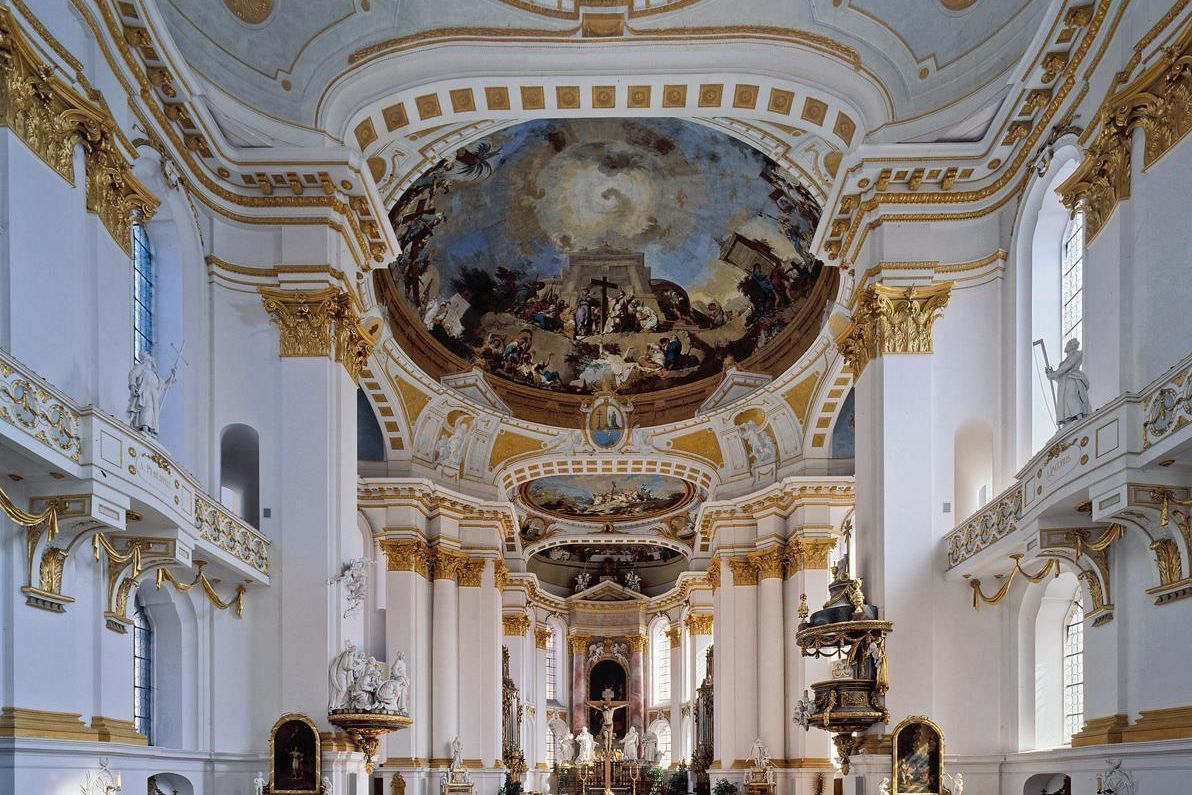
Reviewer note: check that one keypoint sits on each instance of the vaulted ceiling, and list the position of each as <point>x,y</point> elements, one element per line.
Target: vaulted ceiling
<point>287,59</point>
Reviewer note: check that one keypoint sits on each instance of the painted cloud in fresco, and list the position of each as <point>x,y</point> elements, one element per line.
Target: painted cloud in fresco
<point>570,253</point>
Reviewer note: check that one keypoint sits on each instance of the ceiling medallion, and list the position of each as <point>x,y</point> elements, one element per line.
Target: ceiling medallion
<point>958,5</point>
<point>254,12</point>
<point>606,420</point>
<point>606,498</point>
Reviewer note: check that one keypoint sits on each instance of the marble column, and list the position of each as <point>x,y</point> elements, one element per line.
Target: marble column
<point>637,678</point>
<point>444,655</point>
<point>579,686</point>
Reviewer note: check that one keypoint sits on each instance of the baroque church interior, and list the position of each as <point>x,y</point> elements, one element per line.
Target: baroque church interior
<point>595,397</point>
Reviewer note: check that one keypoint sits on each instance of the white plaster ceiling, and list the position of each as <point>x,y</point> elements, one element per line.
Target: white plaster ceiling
<point>921,54</point>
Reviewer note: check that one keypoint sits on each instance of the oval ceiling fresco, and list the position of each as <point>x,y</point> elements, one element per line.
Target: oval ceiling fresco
<point>566,255</point>
<point>606,498</point>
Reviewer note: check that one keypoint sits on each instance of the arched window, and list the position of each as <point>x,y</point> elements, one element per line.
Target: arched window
<point>662,731</point>
<point>1072,281</point>
<point>660,663</point>
<point>142,292</point>
<point>1074,668</point>
<point>142,670</point>
<point>552,667</point>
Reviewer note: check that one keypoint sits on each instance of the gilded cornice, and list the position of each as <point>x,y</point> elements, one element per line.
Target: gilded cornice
<point>699,623</point>
<point>848,229</point>
<point>1159,102</point>
<point>541,637</point>
<point>780,499</point>
<point>430,500</point>
<point>163,108</point>
<point>515,624</point>
<point>406,555</point>
<point>51,118</point>
<point>888,320</point>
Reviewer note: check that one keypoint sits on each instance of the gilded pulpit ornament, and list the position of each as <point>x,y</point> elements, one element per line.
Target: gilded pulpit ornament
<point>891,320</point>
<point>850,629</point>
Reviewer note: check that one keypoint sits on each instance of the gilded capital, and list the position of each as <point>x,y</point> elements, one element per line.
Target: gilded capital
<point>699,623</point>
<point>675,636</point>
<point>890,320</point>
<point>637,643</point>
<point>578,643</point>
<point>319,323</point>
<point>470,571</point>
<point>405,555</point>
<point>541,636</point>
<point>809,554</point>
<point>744,571</point>
<point>445,564</point>
<point>770,563</point>
<point>515,624</point>
<point>713,573</point>
<point>500,574</point>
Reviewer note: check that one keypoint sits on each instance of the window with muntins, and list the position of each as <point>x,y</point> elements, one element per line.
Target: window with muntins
<point>660,652</point>
<point>142,671</point>
<point>552,667</point>
<point>142,293</point>
<point>1072,281</point>
<point>1073,669</point>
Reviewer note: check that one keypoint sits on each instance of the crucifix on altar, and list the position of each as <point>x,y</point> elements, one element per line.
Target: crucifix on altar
<point>607,708</point>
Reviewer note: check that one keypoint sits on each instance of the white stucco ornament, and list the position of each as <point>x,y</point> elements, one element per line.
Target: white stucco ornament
<point>354,577</point>
<point>146,393</point>
<point>361,683</point>
<point>103,781</point>
<point>759,447</point>
<point>804,708</point>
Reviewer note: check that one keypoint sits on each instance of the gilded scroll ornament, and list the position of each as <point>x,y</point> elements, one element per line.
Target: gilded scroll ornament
<point>1159,102</point>
<point>1051,568</point>
<point>891,320</point>
<point>51,117</point>
<point>1167,560</point>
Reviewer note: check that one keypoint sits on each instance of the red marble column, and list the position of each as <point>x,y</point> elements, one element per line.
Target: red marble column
<point>579,685</point>
<point>637,677</point>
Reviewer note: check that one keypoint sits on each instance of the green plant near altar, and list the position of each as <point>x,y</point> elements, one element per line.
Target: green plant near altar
<point>724,787</point>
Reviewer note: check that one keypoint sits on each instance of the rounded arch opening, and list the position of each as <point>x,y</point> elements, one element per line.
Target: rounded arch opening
<point>240,471</point>
<point>1057,665</point>
<point>169,784</point>
<point>607,675</point>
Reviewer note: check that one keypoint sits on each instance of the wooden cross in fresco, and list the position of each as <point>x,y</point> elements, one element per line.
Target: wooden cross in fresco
<point>604,284</point>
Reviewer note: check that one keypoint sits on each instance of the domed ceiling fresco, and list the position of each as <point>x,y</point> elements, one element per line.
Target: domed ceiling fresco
<point>641,254</point>
<point>606,498</point>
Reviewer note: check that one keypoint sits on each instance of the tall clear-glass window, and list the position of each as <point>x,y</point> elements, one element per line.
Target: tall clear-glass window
<point>552,667</point>
<point>142,292</point>
<point>1072,281</point>
<point>142,671</point>
<point>1074,668</point>
<point>660,663</point>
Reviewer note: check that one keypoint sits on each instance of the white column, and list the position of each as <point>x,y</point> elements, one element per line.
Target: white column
<point>771,680</point>
<point>444,658</point>
<point>678,676</point>
<point>407,630</point>
<point>811,750</point>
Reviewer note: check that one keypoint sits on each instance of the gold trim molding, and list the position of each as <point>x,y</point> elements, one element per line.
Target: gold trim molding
<point>891,320</point>
<point>51,117</point>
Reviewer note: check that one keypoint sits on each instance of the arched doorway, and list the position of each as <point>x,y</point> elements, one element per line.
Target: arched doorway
<point>607,674</point>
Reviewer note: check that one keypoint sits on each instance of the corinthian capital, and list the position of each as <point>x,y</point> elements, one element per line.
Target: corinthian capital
<point>891,320</point>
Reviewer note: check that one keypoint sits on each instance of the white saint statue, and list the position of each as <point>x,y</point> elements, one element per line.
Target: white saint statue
<point>450,450</point>
<point>1072,386</point>
<point>759,447</point>
<point>258,783</point>
<point>344,670</point>
<point>650,748</point>
<point>457,754</point>
<point>629,745</point>
<point>567,749</point>
<point>146,391</point>
<point>328,788</point>
<point>759,755</point>
<point>587,747</point>
<point>402,678</point>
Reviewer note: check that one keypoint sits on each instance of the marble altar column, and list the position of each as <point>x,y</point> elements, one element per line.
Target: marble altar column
<point>578,644</point>
<point>444,655</point>
<point>637,678</point>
